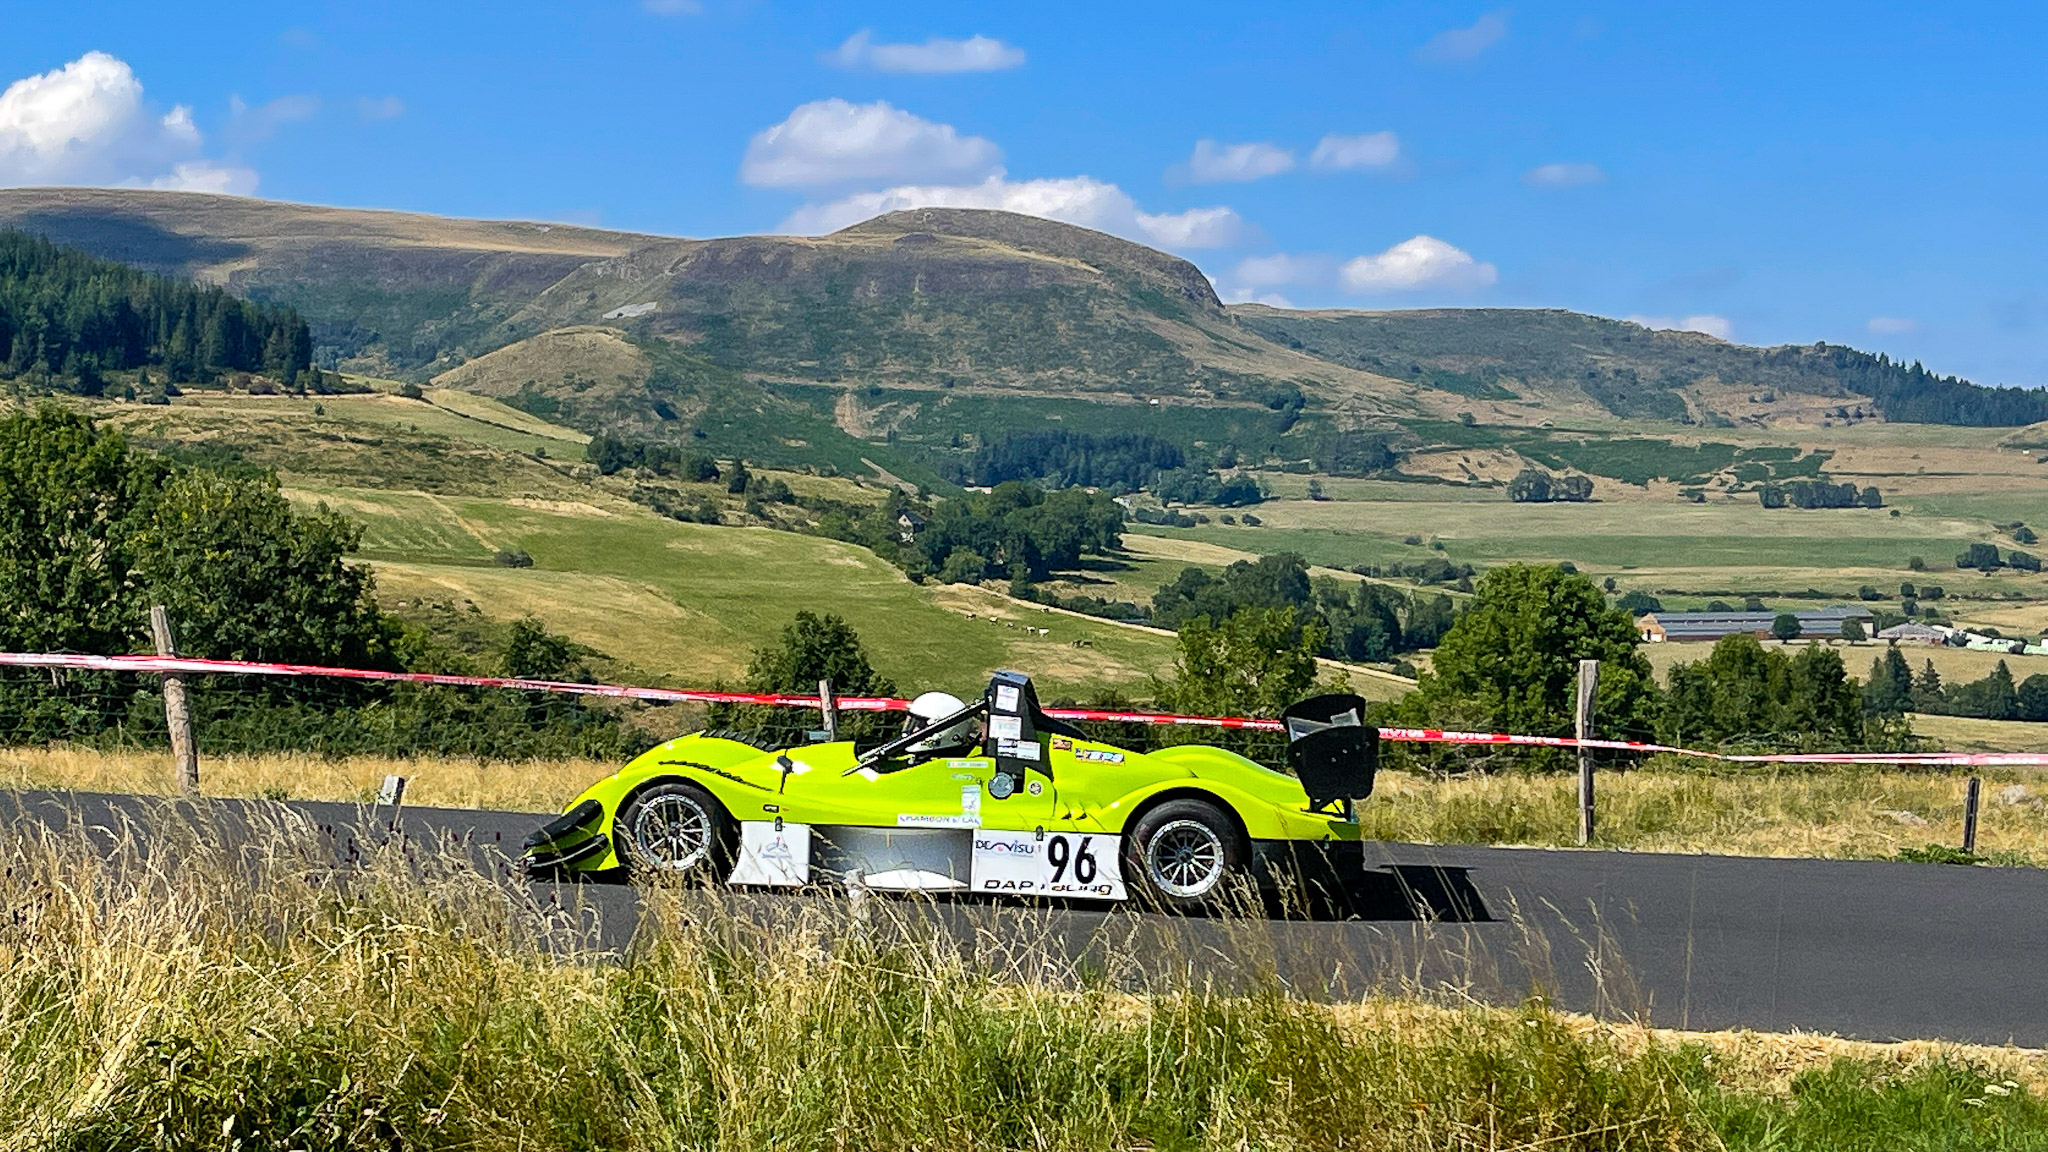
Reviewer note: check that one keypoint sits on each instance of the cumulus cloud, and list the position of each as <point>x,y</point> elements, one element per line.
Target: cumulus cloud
<point>1716,326</point>
<point>936,56</point>
<point>1466,43</point>
<point>1892,325</point>
<point>1280,269</point>
<point>87,123</point>
<point>380,107</point>
<point>1080,200</point>
<point>1417,264</point>
<point>1215,163</point>
<point>1563,175</point>
<point>834,142</point>
<point>1369,152</point>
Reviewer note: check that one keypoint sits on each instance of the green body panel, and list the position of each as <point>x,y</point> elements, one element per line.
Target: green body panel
<point>1091,788</point>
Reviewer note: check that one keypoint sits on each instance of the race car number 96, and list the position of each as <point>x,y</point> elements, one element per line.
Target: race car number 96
<point>1061,851</point>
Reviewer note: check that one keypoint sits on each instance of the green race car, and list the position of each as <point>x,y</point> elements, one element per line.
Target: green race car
<point>991,797</point>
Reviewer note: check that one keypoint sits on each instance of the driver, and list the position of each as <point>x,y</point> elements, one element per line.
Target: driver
<point>953,740</point>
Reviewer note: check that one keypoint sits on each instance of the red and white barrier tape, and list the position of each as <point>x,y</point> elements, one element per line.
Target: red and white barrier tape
<point>163,664</point>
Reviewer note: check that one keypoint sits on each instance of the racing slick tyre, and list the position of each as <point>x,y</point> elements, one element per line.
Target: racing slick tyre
<point>676,830</point>
<point>1182,856</point>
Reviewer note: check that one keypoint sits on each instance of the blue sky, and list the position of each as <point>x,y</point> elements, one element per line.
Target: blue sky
<point>1869,174</point>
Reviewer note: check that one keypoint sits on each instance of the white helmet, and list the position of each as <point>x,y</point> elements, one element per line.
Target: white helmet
<point>935,706</point>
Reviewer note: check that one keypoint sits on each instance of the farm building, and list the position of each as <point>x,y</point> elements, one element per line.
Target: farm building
<point>1821,623</point>
<point>1912,632</point>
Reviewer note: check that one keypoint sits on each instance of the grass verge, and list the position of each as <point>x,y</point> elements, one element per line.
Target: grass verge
<point>201,995</point>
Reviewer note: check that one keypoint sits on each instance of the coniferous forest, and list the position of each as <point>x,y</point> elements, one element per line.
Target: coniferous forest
<point>71,318</point>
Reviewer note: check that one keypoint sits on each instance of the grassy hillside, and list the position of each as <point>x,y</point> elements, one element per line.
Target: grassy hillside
<point>1556,357</point>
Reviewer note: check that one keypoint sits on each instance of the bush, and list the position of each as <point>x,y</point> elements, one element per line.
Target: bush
<point>411,391</point>
<point>514,558</point>
<point>1786,627</point>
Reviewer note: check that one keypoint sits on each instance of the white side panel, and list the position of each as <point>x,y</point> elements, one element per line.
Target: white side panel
<point>771,856</point>
<point>1080,864</point>
<point>911,880</point>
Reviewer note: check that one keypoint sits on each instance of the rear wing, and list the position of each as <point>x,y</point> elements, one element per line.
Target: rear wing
<point>1332,749</point>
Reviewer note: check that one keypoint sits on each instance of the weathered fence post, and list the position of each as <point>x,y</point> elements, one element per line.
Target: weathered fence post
<point>1589,682</point>
<point>829,706</point>
<point>1970,815</point>
<point>177,712</point>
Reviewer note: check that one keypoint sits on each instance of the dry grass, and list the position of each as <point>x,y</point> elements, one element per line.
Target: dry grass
<point>534,786</point>
<point>253,996</point>
<point>1843,812</point>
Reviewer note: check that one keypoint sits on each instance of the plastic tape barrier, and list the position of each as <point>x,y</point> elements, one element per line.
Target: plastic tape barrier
<point>164,664</point>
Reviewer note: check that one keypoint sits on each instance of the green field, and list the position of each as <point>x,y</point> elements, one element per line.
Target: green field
<point>689,602</point>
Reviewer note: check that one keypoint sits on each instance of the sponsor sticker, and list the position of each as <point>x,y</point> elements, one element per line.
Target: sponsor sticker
<point>970,801</point>
<point>1021,749</point>
<point>1006,698</point>
<point>947,820</point>
<point>1061,864</point>
<point>1006,727</point>
<point>1062,744</point>
<point>1099,756</point>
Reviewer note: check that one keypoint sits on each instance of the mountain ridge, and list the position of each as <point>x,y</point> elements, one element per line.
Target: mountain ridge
<point>927,302</point>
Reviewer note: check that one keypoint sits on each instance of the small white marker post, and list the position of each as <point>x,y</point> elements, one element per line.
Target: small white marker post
<point>1589,683</point>
<point>393,792</point>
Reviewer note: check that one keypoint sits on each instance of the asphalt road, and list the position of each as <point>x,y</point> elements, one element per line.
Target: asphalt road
<point>1876,950</point>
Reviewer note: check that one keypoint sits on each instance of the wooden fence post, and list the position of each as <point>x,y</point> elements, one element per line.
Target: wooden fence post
<point>177,712</point>
<point>1589,682</point>
<point>829,706</point>
<point>1970,815</point>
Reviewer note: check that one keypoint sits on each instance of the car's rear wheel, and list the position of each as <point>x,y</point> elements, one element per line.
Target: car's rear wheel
<point>673,830</point>
<point>1182,855</point>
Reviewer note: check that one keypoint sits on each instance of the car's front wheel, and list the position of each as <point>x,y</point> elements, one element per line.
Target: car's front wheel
<point>675,829</point>
<point>1182,855</point>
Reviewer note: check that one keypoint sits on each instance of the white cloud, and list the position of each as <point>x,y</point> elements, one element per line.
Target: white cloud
<point>206,176</point>
<point>1465,43</point>
<point>936,56</point>
<point>1373,150</point>
<point>672,7</point>
<point>1279,269</point>
<point>380,107</point>
<point>1563,175</point>
<point>1080,200</point>
<point>1415,264</point>
<point>1716,326</point>
<point>1215,163</point>
<point>1892,325</point>
<point>87,123</point>
<point>1252,296</point>
<point>247,125</point>
<point>834,142</point>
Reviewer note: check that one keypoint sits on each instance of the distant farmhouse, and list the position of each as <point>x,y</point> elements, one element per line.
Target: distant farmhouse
<point>1823,623</point>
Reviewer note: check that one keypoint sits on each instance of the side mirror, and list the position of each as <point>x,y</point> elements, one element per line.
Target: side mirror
<point>1332,749</point>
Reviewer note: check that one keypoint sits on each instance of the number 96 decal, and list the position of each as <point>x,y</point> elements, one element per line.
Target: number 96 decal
<point>1059,864</point>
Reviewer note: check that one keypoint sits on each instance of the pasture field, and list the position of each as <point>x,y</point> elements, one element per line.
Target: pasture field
<point>689,602</point>
<point>1954,664</point>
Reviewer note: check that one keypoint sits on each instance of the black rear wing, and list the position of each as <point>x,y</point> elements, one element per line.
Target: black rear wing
<point>1331,748</point>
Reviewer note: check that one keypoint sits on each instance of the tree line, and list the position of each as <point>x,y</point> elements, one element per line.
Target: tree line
<point>92,533</point>
<point>1367,621</point>
<point>1894,688</point>
<point>70,318</point>
<point>1910,392</point>
<point>1819,494</point>
<point>1075,460</point>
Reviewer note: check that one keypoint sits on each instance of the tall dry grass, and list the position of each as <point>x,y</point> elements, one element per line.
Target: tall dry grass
<point>241,992</point>
<point>1839,811</point>
<point>528,786</point>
